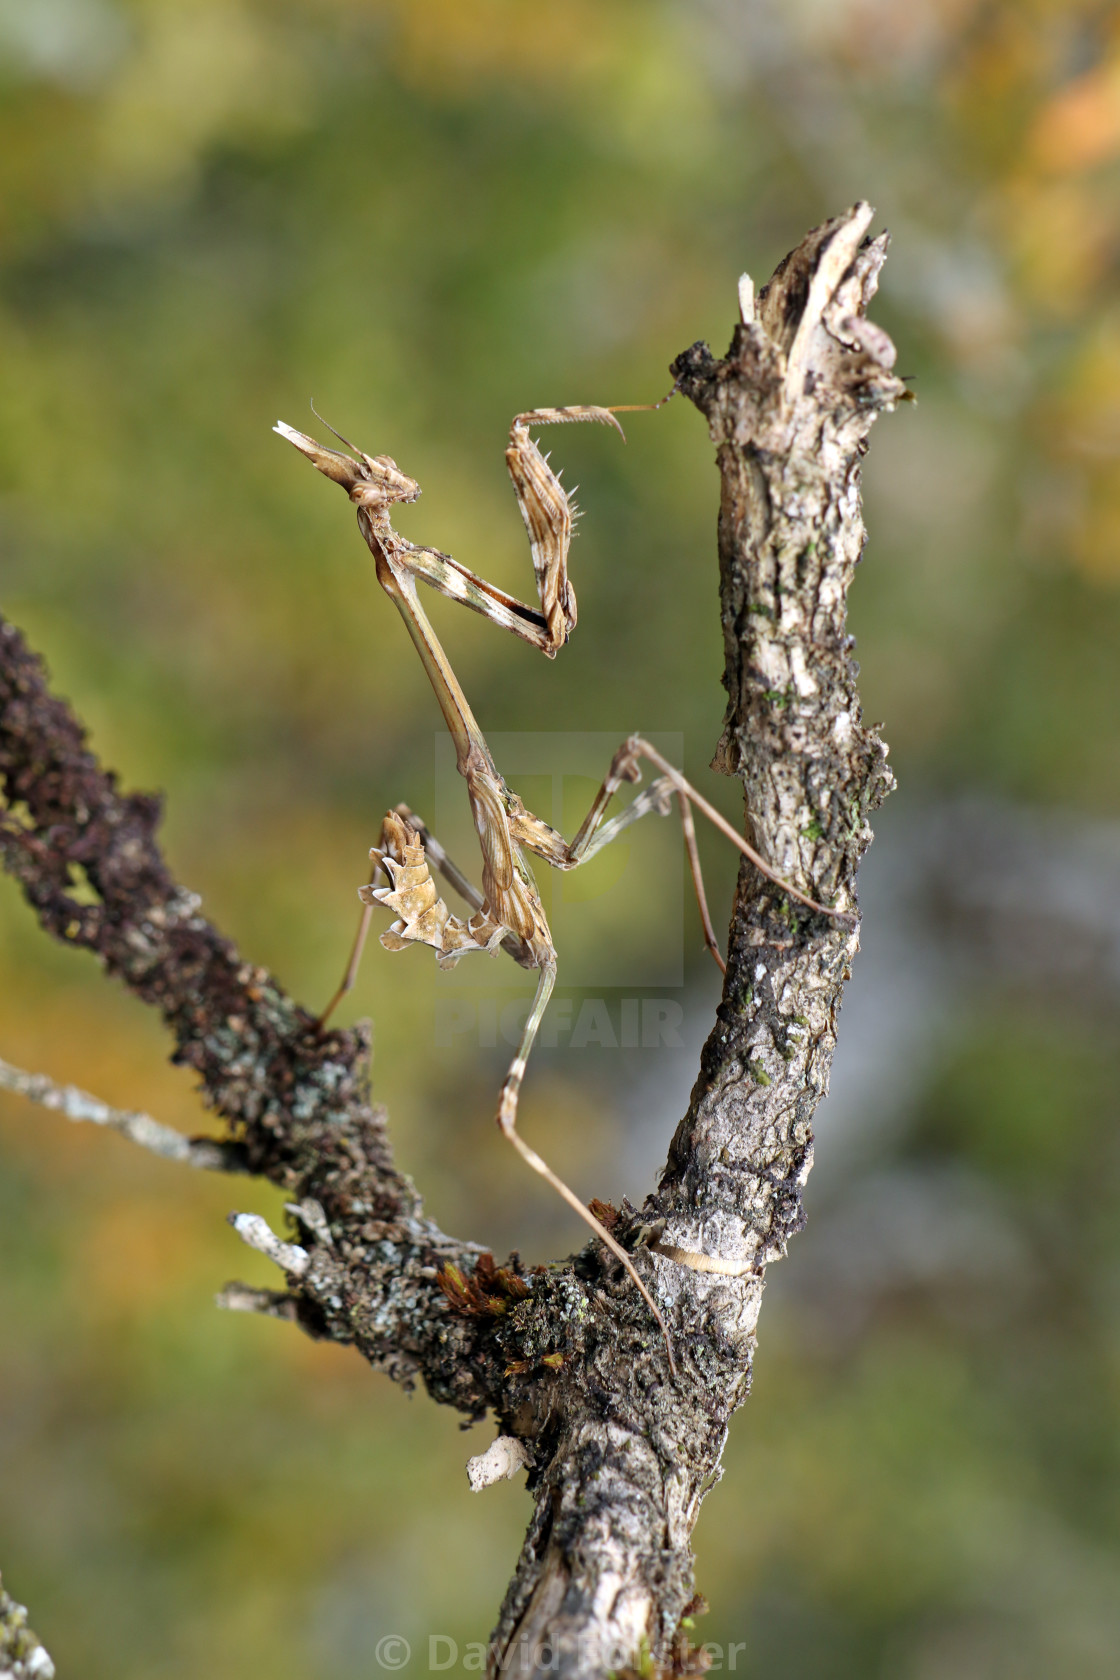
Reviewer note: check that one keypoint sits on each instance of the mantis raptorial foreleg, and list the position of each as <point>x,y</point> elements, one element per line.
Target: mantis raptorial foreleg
<point>549,517</point>
<point>452,874</point>
<point>456,878</point>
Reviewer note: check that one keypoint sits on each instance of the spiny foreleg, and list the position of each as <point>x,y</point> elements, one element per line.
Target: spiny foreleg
<point>549,511</point>
<point>460,882</point>
<point>422,915</point>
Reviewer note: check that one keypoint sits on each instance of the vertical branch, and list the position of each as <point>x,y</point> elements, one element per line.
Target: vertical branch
<point>789,411</point>
<point>608,1563</point>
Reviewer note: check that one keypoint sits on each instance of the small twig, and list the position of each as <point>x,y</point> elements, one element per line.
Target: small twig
<point>258,1234</point>
<point>75,1104</point>
<point>310,1214</point>
<point>242,1297</point>
<point>501,1460</point>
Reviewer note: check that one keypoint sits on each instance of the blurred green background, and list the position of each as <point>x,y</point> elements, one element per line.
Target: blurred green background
<point>426,215</point>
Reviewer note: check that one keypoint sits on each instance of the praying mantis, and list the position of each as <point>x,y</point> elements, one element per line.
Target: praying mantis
<point>507,910</point>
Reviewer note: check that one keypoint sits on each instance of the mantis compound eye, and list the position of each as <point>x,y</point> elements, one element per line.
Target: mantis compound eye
<point>386,477</point>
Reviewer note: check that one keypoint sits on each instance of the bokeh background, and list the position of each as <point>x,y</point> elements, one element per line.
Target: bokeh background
<point>427,214</point>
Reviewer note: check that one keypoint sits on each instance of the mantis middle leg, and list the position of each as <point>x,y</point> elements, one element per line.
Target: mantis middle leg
<point>594,834</point>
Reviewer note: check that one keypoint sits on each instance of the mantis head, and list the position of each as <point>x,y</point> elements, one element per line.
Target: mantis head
<point>369,480</point>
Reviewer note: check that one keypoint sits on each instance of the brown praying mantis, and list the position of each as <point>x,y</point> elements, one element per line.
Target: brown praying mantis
<point>507,911</point>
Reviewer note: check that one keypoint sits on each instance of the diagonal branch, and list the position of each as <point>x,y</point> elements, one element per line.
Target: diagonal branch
<point>295,1102</point>
<point>567,1358</point>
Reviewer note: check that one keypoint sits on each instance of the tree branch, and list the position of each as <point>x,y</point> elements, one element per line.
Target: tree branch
<point>296,1102</point>
<point>567,1358</point>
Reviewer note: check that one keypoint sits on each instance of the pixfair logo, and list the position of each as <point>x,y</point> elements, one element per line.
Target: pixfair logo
<point>628,1023</point>
<point>617,921</point>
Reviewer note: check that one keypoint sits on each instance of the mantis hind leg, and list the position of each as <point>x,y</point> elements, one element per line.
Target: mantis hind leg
<point>507,1124</point>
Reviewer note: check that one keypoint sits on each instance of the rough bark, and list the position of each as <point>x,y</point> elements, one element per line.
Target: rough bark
<point>568,1359</point>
